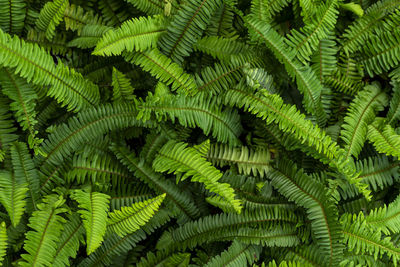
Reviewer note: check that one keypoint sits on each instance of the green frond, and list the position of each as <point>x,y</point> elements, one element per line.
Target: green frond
<point>186,162</point>
<point>381,53</point>
<point>162,258</point>
<point>361,112</point>
<point>37,66</point>
<point>123,90</point>
<point>75,18</point>
<point>114,12</point>
<point>273,237</point>
<point>264,10</point>
<point>225,226</point>
<point>114,245</point>
<point>154,142</point>
<point>13,195</point>
<point>142,171</point>
<point>362,260</point>
<point>164,70</point>
<point>324,60</point>
<point>3,241</point>
<point>24,102</point>
<point>83,127</point>
<point>69,241</point>
<point>309,255</point>
<point>360,239</point>
<point>89,36</point>
<point>46,224</point>
<point>386,218</point>
<point>384,138</point>
<point>306,40</point>
<point>259,78</point>
<point>178,41</point>
<point>393,114</point>
<point>25,172</point>
<point>307,82</point>
<point>133,35</point>
<point>7,129</point>
<point>150,7</point>
<point>340,82</point>
<point>248,161</point>
<point>286,264</point>
<point>50,16</point>
<point>130,219</point>
<point>237,254</point>
<point>221,22</point>
<point>58,45</point>
<point>297,186</point>
<point>12,15</point>
<point>93,210</point>
<point>201,111</point>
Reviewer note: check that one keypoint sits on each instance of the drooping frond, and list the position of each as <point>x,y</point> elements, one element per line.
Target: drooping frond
<point>123,90</point>
<point>68,244</point>
<point>13,195</point>
<point>50,16</point>
<point>133,35</point>
<point>248,161</point>
<point>200,111</point>
<point>161,185</point>
<point>164,69</point>
<point>38,67</point>
<point>12,15</point>
<point>130,219</point>
<point>361,113</point>
<point>307,82</point>
<point>46,224</point>
<point>93,209</point>
<point>237,254</point>
<point>186,162</point>
<point>3,241</point>
<point>384,138</point>
<point>186,28</point>
<point>25,172</point>
<point>304,191</point>
<point>24,103</point>
<point>306,40</point>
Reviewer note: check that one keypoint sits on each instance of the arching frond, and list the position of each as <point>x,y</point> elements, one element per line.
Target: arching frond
<point>50,16</point>
<point>384,138</point>
<point>265,10</point>
<point>130,219</point>
<point>93,210</point>
<point>386,218</point>
<point>76,18</point>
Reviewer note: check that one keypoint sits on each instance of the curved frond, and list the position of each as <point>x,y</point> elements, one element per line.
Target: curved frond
<point>3,241</point>
<point>93,209</point>
<point>237,254</point>
<point>384,138</point>
<point>164,259</point>
<point>386,218</point>
<point>50,16</point>
<point>123,90</point>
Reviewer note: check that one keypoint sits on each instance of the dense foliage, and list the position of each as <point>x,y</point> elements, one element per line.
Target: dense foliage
<point>199,133</point>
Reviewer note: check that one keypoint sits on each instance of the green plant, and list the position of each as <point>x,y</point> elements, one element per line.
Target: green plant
<point>199,133</point>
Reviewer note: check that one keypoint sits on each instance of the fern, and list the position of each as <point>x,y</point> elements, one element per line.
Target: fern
<point>50,16</point>
<point>12,15</point>
<point>3,241</point>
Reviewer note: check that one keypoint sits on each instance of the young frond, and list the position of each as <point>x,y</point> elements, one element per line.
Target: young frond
<point>361,112</point>
<point>37,66</point>
<point>50,16</point>
<point>133,35</point>
<point>130,219</point>
<point>46,224</point>
<point>186,162</point>
<point>93,210</point>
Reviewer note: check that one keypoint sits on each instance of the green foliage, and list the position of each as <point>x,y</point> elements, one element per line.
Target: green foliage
<point>199,133</point>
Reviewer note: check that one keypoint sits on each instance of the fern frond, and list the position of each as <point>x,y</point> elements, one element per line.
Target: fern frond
<point>123,90</point>
<point>324,58</point>
<point>362,240</point>
<point>151,7</point>
<point>393,114</point>
<point>340,82</point>
<point>307,82</point>
<point>69,241</point>
<point>47,225</point>
<point>133,35</point>
<point>201,111</point>
<point>37,66</point>
<point>237,254</point>
<point>114,12</point>
<point>186,28</point>
<point>13,195</point>
<point>24,98</point>
<point>165,259</point>
<point>381,53</point>
<point>386,218</point>
<point>247,160</point>
<point>89,36</point>
<point>50,16</point>
<point>75,18</point>
<point>361,113</point>
<point>164,69</point>
<point>3,241</point>
<point>12,15</point>
<point>384,138</point>
<point>7,129</point>
<point>141,170</point>
<point>187,162</point>
<point>300,188</point>
<point>305,41</point>
<point>264,10</point>
<point>130,219</point>
<point>93,209</point>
